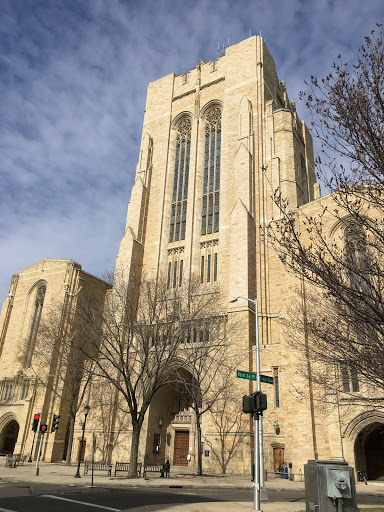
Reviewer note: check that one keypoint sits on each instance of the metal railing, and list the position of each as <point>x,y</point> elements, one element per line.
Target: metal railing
<point>285,473</point>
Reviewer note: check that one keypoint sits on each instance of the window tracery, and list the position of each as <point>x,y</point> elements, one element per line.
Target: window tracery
<point>39,301</point>
<point>175,267</point>
<point>209,261</point>
<point>180,182</point>
<point>356,253</point>
<point>211,184</point>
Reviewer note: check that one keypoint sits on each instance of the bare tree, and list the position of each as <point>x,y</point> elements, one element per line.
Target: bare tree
<point>59,363</point>
<point>109,416</point>
<point>137,340</point>
<point>230,424</point>
<point>343,373</point>
<point>211,364</point>
<point>343,314</point>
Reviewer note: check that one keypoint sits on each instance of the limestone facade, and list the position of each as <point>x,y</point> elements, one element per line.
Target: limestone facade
<point>32,293</point>
<point>216,143</point>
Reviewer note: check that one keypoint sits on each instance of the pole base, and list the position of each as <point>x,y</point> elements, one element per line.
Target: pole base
<point>35,471</point>
<point>77,476</point>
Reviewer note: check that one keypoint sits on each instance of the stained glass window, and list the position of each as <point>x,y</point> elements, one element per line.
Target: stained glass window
<point>181,273</point>
<point>169,274</point>
<point>209,269</point>
<point>180,182</point>
<point>215,267</point>
<point>174,273</point>
<point>35,324</point>
<point>211,183</point>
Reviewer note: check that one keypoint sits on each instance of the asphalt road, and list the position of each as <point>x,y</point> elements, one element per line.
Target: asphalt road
<point>17,498</point>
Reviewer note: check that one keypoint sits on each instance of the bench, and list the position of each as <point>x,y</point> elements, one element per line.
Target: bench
<point>124,466</point>
<point>97,466</point>
<point>163,469</point>
<point>12,461</point>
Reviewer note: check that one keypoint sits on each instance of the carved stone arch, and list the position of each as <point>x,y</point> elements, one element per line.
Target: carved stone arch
<point>183,115</point>
<point>145,153</point>
<point>208,106</point>
<point>361,421</point>
<point>31,317</point>
<point>147,139</point>
<point>9,432</point>
<point>245,117</point>
<point>168,414</point>
<point>36,286</point>
<point>341,224</point>
<point>182,127</point>
<point>6,419</point>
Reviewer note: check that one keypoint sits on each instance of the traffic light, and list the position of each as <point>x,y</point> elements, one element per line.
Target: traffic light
<point>256,403</point>
<point>55,422</point>
<point>35,423</point>
<point>44,428</point>
<point>248,404</point>
<point>260,401</point>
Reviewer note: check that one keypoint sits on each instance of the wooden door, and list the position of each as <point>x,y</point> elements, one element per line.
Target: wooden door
<point>82,451</point>
<point>181,448</point>
<point>278,457</point>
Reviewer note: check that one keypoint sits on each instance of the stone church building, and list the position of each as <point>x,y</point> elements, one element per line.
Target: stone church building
<point>216,142</point>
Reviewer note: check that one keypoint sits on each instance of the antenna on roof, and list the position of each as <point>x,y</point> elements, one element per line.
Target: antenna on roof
<point>250,32</point>
<point>221,49</point>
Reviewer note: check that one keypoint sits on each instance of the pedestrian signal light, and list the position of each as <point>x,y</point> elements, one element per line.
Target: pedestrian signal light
<point>260,401</point>
<point>248,404</point>
<point>43,428</point>
<point>35,423</point>
<point>255,404</point>
<point>55,422</point>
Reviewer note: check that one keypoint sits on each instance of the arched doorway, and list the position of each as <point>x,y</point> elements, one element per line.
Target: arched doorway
<point>369,451</point>
<point>9,437</point>
<point>171,427</point>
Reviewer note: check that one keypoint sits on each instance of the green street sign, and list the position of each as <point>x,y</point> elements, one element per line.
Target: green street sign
<point>253,376</point>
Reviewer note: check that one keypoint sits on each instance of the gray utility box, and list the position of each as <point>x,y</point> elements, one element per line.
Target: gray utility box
<point>329,486</point>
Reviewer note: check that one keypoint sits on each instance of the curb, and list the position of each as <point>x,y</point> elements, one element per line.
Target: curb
<point>70,490</point>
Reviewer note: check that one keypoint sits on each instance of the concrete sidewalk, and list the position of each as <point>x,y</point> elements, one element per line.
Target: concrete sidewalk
<point>53,477</point>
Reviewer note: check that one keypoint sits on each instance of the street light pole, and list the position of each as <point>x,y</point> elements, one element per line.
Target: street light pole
<point>86,412</point>
<point>258,439</point>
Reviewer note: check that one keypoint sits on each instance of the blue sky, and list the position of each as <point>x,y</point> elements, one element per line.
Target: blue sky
<point>73,80</point>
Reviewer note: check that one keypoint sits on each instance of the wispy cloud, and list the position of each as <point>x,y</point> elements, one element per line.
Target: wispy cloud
<point>73,80</point>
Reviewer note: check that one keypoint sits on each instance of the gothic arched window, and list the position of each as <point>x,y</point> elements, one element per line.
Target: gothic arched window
<point>180,182</point>
<point>35,324</point>
<point>355,253</point>
<point>211,186</point>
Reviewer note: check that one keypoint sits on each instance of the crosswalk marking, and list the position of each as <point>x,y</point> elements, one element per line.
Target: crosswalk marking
<point>75,501</point>
<point>6,510</point>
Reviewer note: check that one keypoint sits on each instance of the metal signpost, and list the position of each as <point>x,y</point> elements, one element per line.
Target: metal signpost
<point>43,430</point>
<point>93,454</point>
<point>258,449</point>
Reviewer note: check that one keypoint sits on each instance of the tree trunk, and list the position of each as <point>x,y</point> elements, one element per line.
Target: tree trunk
<point>70,440</point>
<point>132,472</point>
<point>222,462</point>
<point>199,454</point>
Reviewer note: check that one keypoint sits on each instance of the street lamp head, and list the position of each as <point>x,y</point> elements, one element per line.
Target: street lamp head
<point>276,426</point>
<point>86,410</point>
<point>235,299</point>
